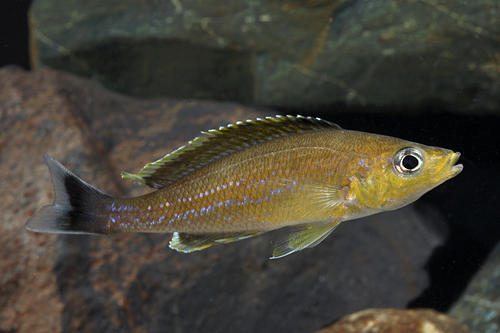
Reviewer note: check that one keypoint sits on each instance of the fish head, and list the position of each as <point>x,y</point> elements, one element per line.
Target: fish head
<point>402,172</point>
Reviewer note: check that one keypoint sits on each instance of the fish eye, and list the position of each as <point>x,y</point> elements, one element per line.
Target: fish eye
<point>408,161</point>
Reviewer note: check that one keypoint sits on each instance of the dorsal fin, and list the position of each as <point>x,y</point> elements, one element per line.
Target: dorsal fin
<point>221,142</point>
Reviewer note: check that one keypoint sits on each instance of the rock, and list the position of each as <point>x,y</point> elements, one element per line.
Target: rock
<point>395,321</point>
<point>132,282</point>
<point>287,54</point>
<point>479,305</point>
<point>47,112</point>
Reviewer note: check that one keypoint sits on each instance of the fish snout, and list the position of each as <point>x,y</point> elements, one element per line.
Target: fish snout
<point>454,169</point>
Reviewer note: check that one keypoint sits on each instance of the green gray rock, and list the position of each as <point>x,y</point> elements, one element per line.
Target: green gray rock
<point>290,54</point>
<point>479,306</point>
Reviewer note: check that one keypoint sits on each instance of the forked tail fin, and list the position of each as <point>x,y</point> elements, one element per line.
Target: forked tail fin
<point>76,205</point>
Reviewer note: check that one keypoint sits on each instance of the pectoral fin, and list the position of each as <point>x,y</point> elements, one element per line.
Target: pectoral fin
<point>293,239</point>
<point>183,242</point>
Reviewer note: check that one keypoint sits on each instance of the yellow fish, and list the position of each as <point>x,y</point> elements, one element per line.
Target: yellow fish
<point>301,174</point>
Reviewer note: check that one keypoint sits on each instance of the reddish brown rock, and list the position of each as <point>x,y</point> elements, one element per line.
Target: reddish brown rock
<point>134,282</point>
<point>396,321</point>
<point>47,112</point>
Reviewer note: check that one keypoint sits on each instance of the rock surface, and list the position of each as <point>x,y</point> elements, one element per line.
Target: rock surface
<point>288,54</point>
<point>479,306</point>
<point>134,282</point>
<point>396,321</point>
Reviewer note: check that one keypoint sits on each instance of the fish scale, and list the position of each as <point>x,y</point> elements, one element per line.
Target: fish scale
<point>300,175</point>
<point>224,196</point>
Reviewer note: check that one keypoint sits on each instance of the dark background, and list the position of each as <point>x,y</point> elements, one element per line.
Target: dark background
<point>14,36</point>
<point>470,200</point>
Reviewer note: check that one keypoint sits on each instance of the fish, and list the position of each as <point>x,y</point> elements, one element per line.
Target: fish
<point>301,175</point>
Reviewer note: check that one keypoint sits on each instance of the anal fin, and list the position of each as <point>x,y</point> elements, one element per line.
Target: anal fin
<point>297,238</point>
<point>184,242</point>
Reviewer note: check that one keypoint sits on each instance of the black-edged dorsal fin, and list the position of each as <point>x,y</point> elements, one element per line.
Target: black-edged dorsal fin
<point>221,142</point>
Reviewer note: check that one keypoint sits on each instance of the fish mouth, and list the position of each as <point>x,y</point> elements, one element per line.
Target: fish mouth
<point>454,168</point>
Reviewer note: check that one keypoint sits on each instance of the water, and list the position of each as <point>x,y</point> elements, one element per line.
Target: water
<point>423,257</point>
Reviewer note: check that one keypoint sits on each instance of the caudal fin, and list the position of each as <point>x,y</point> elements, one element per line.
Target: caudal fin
<point>75,207</point>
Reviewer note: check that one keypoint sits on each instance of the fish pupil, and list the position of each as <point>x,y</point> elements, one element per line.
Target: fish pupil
<point>410,162</point>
